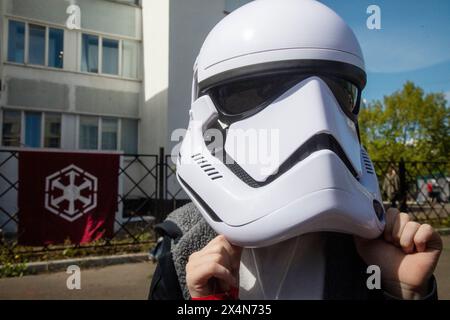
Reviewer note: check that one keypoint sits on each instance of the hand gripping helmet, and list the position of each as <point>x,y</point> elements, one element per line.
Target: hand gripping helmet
<point>295,69</point>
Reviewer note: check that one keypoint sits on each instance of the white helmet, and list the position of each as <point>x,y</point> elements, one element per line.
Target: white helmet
<point>292,70</point>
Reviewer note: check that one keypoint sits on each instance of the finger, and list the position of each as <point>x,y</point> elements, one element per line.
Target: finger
<point>234,251</point>
<point>205,272</point>
<point>217,250</point>
<point>221,259</point>
<point>391,214</point>
<point>400,222</point>
<point>427,238</point>
<point>407,236</point>
<point>218,242</point>
<point>216,254</point>
<point>222,246</point>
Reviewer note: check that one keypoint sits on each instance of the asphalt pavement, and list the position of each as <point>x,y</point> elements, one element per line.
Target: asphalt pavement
<point>119,282</point>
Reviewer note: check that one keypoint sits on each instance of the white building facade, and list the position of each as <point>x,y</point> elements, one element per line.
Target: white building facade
<point>71,86</point>
<point>99,74</point>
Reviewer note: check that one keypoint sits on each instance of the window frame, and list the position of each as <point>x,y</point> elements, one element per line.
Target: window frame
<point>100,72</point>
<point>100,131</point>
<point>119,50</point>
<point>137,73</point>
<point>43,128</point>
<point>22,137</point>
<point>139,60</point>
<point>117,120</point>
<point>99,118</point>
<point>78,131</point>
<point>26,61</point>
<point>7,40</point>
<point>47,47</point>
<point>21,130</point>
<point>45,44</point>
<point>138,136</point>
<point>99,60</point>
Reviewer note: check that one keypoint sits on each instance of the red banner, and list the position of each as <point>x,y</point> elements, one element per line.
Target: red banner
<point>66,196</point>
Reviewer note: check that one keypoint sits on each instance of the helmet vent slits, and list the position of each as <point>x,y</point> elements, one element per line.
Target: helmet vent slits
<point>207,167</point>
<point>367,162</point>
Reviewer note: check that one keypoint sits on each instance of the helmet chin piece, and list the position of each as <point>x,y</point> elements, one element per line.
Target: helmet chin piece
<point>272,153</point>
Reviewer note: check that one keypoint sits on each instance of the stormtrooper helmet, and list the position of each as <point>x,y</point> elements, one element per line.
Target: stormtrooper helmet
<point>281,82</point>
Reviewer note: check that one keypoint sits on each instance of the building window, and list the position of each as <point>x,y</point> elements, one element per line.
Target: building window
<point>110,130</point>
<point>16,41</point>
<point>33,123</point>
<point>38,37</point>
<point>115,134</point>
<point>56,48</point>
<point>130,54</point>
<point>36,44</point>
<point>88,133</point>
<point>129,136</point>
<point>110,56</point>
<point>11,128</point>
<point>89,62</point>
<point>52,133</point>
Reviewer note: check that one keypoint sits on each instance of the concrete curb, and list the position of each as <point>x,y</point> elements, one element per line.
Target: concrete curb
<point>88,262</point>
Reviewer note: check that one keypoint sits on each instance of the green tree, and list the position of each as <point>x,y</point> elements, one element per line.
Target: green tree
<point>408,124</point>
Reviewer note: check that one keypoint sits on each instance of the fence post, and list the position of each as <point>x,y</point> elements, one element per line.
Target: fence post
<point>403,186</point>
<point>161,178</point>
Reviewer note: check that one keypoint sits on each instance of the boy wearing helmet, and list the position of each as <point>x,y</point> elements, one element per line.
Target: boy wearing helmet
<point>307,227</point>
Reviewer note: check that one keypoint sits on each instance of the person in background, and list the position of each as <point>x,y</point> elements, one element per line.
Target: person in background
<point>391,186</point>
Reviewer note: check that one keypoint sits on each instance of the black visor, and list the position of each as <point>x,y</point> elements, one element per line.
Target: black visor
<point>242,92</point>
<point>246,97</point>
<point>242,96</point>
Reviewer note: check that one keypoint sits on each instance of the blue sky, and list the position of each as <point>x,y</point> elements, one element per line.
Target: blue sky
<point>413,43</point>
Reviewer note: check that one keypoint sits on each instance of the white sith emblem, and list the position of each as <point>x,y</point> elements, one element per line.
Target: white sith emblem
<point>70,193</point>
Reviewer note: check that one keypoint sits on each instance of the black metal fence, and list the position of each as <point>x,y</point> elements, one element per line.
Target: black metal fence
<point>143,200</point>
<point>419,188</point>
<point>149,191</point>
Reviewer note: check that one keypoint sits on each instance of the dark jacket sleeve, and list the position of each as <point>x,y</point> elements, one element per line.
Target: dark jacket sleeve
<point>165,285</point>
<point>431,295</point>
